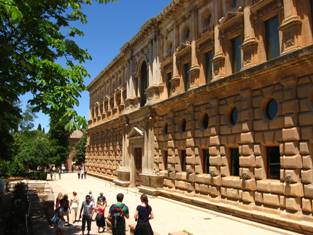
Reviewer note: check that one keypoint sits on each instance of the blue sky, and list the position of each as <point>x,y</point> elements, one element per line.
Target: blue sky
<point>109,27</point>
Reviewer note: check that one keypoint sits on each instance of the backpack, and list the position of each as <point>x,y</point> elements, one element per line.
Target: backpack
<point>117,216</point>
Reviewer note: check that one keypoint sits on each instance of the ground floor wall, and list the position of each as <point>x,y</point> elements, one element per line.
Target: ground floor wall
<point>104,152</point>
<point>247,143</point>
<point>199,158</point>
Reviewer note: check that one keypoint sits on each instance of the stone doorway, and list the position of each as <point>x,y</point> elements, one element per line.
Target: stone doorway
<point>138,165</point>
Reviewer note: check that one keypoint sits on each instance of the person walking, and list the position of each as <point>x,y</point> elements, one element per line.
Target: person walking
<point>78,172</point>
<point>82,172</point>
<point>87,208</point>
<point>58,200</point>
<point>91,196</point>
<point>59,172</point>
<point>65,204</point>
<point>100,219</point>
<point>117,214</point>
<point>74,203</point>
<point>101,198</point>
<point>143,215</point>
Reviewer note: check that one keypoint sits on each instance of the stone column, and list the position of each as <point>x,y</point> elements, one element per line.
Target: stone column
<point>145,153</point>
<point>149,177</point>
<point>290,27</point>
<point>123,172</point>
<point>250,44</point>
<point>195,67</point>
<point>176,78</point>
<point>150,64</point>
<point>219,57</point>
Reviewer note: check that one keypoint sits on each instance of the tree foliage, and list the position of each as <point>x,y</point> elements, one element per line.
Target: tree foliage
<point>81,149</point>
<point>28,116</point>
<point>34,36</point>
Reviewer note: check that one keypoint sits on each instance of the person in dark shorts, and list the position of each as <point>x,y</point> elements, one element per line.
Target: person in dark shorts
<point>142,215</point>
<point>117,214</point>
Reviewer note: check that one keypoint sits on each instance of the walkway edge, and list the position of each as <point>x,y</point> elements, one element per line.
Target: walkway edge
<point>252,215</point>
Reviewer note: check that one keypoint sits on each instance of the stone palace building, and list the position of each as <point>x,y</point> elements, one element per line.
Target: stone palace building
<point>211,103</point>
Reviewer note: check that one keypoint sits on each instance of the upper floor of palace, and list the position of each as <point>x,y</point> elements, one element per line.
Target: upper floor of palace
<point>193,43</point>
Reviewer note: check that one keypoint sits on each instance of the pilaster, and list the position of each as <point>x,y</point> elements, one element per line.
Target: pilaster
<point>250,44</point>
<point>195,67</point>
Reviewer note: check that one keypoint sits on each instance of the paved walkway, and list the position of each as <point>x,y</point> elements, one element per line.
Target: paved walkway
<point>170,215</point>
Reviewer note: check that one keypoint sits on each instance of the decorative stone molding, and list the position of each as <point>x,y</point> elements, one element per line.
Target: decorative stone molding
<point>291,29</point>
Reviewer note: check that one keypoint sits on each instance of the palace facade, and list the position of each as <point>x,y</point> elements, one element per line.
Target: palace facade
<point>211,103</point>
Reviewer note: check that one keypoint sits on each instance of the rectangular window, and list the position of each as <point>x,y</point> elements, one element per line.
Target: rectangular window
<point>234,161</point>
<point>168,83</point>
<point>208,66</point>
<point>205,161</point>
<point>272,38</point>
<point>183,160</point>
<point>186,76</point>
<point>165,156</point>
<point>273,162</point>
<point>236,54</point>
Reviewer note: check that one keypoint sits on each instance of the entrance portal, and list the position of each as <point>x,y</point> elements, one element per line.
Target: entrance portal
<point>138,164</point>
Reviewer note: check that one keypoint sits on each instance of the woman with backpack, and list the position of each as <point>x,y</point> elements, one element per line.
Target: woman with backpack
<point>142,215</point>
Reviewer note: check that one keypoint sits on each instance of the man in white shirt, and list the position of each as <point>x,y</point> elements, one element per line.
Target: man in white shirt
<point>87,208</point>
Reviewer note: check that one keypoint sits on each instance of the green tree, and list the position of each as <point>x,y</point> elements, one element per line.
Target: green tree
<point>59,135</point>
<point>34,35</point>
<point>81,149</point>
<point>33,149</point>
<point>39,128</point>
<point>28,116</point>
<point>9,120</point>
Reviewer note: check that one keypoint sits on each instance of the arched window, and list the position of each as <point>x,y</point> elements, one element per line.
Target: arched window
<point>186,34</point>
<point>143,84</point>
<point>169,48</point>
<point>206,21</point>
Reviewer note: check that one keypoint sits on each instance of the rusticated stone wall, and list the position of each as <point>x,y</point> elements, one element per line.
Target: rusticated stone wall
<point>104,153</point>
<point>291,131</point>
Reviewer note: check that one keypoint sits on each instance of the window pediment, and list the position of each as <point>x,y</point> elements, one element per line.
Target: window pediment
<point>231,24</point>
<point>135,132</point>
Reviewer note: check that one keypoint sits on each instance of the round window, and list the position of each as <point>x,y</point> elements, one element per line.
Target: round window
<point>234,116</point>
<point>205,121</point>
<point>271,109</point>
<point>183,125</point>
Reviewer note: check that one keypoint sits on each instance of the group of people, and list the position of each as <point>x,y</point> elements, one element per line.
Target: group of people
<point>81,172</point>
<point>53,171</point>
<point>116,216</point>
